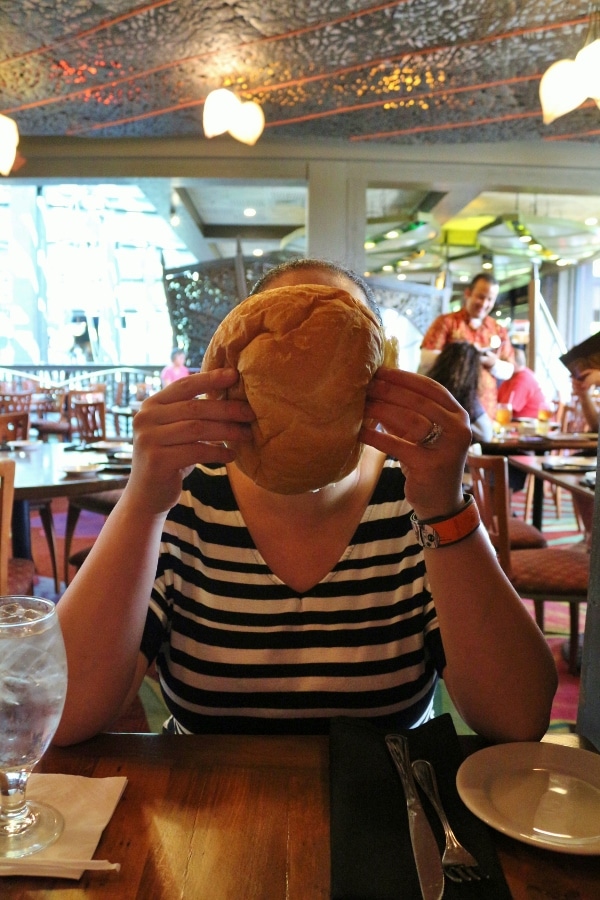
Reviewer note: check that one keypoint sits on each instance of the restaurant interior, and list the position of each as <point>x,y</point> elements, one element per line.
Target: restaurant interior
<point>156,159</point>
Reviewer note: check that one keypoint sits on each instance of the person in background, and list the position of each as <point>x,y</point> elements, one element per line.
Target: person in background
<point>176,370</point>
<point>523,390</point>
<point>458,368</point>
<point>582,385</point>
<point>273,613</point>
<point>473,323</point>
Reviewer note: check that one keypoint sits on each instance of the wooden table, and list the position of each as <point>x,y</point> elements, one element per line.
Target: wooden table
<point>213,817</point>
<point>39,475</point>
<point>514,444</point>
<point>569,481</point>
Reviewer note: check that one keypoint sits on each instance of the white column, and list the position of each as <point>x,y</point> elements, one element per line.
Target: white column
<point>24,329</point>
<point>336,215</point>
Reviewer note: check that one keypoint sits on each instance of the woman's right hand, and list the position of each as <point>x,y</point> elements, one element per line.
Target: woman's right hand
<point>587,379</point>
<point>180,426</point>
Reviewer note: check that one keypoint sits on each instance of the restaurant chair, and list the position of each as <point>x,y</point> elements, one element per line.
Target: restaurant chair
<point>47,413</point>
<point>15,401</point>
<point>102,503</point>
<point>64,426</point>
<point>16,575</point>
<point>542,574</point>
<point>91,420</point>
<point>522,535</point>
<point>15,427</point>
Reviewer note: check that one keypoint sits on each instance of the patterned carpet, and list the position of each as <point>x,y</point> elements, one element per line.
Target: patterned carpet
<point>148,711</point>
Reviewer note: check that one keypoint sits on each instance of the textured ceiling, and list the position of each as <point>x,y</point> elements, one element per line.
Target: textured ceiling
<point>409,71</point>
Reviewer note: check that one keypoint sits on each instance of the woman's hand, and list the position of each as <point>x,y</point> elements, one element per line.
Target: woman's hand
<point>407,406</point>
<point>587,379</point>
<point>180,426</point>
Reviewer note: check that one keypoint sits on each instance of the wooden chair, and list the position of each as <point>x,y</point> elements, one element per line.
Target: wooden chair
<point>542,574</point>
<point>64,425</point>
<point>14,426</point>
<point>102,503</point>
<point>91,420</point>
<point>16,575</point>
<point>15,401</point>
<point>522,535</point>
<point>48,412</point>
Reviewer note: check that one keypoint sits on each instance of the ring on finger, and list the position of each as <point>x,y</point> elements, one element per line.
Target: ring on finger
<point>432,436</point>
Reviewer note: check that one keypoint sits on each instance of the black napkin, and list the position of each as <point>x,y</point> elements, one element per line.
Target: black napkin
<point>371,853</point>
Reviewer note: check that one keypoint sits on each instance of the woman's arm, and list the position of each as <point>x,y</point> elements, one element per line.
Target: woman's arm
<point>499,669</point>
<point>103,611</point>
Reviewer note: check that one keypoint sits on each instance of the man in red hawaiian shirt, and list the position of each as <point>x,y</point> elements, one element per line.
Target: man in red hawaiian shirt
<point>473,323</point>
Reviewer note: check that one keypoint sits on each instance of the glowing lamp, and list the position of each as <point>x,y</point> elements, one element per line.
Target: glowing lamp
<point>9,141</point>
<point>223,111</point>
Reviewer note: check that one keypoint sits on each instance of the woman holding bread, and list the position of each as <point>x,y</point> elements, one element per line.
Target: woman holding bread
<point>316,556</point>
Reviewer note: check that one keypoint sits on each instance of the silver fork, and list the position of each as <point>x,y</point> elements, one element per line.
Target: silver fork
<point>459,865</point>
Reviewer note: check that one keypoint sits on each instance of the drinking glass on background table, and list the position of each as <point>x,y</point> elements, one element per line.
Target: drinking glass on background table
<point>33,685</point>
<point>504,413</point>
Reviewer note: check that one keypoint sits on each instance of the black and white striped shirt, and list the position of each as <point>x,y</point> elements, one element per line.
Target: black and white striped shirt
<point>238,650</point>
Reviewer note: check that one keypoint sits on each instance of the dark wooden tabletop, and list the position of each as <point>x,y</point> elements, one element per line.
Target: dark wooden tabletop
<point>570,481</point>
<point>40,475</point>
<point>213,817</point>
<point>515,443</point>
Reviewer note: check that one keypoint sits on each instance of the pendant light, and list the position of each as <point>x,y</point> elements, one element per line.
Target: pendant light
<point>9,140</point>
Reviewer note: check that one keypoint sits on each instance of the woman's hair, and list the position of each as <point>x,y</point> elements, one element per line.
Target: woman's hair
<point>458,369</point>
<point>323,265</point>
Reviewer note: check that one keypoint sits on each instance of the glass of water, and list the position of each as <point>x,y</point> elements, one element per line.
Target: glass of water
<point>33,685</point>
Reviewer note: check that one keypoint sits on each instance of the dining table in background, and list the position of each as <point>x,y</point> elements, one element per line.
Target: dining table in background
<point>567,480</point>
<point>538,444</point>
<point>40,475</point>
<point>210,817</point>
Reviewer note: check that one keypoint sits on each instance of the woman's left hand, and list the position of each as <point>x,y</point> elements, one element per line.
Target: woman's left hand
<point>427,430</point>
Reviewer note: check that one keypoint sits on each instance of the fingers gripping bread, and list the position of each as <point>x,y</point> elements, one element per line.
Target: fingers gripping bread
<point>305,355</point>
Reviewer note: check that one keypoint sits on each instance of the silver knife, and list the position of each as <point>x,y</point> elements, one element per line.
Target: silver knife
<point>425,848</point>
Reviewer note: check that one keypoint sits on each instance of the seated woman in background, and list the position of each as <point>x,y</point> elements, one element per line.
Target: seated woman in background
<point>458,369</point>
<point>588,379</point>
<point>582,387</point>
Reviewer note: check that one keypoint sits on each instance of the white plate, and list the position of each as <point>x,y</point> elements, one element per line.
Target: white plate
<point>83,470</point>
<point>543,794</point>
<point>111,446</point>
<point>24,445</point>
<point>124,457</point>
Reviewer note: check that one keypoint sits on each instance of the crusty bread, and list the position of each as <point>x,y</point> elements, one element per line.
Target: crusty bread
<point>305,355</point>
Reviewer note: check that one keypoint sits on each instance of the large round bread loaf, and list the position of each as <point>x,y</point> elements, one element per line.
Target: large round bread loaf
<point>305,355</point>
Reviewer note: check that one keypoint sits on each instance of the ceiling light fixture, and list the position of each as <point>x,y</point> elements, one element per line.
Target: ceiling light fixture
<point>9,141</point>
<point>569,82</point>
<point>223,111</point>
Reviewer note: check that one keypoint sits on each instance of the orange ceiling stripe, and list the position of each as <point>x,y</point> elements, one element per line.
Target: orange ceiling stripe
<point>517,79</point>
<point>447,126</point>
<point>428,95</point>
<point>80,35</point>
<point>108,23</point>
<point>589,104</point>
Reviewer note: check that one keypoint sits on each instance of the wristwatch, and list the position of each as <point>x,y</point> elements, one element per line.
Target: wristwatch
<point>440,532</point>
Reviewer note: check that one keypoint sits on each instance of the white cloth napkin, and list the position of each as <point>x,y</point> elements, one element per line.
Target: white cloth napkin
<point>87,805</point>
